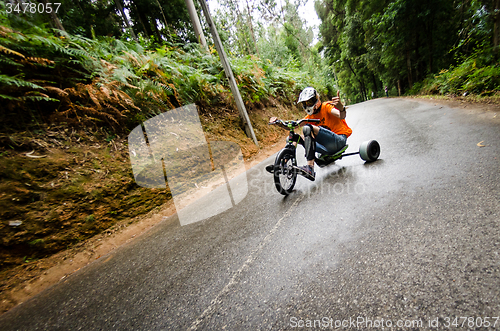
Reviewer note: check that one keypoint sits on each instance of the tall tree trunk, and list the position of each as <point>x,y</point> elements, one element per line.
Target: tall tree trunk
<point>125,19</point>
<point>156,30</point>
<point>496,26</point>
<point>364,92</point>
<point>408,65</point>
<point>53,17</point>
<point>375,85</point>
<point>250,25</point>
<point>164,19</point>
<point>143,20</point>
<point>361,84</point>
<point>430,43</point>
<point>240,22</point>
<point>417,56</point>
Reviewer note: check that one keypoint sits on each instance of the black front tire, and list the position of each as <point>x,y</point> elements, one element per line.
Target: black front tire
<point>285,173</point>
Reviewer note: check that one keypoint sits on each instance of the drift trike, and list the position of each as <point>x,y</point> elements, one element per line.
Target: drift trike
<point>285,167</point>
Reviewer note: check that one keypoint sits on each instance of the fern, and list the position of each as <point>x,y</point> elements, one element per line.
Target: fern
<point>10,52</point>
<point>79,53</point>
<point>102,80</point>
<point>8,97</point>
<point>11,81</point>
<point>9,62</point>
<point>38,98</point>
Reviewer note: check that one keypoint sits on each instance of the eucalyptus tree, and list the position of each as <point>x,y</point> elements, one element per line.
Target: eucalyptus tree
<point>128,24</point>
<point>479,25</point>
<point>162,20</point>
<point>236,19</point>
<point>158,19</point>
<point>401,42</point>
<point>89,18</point>
<point>343,33</point>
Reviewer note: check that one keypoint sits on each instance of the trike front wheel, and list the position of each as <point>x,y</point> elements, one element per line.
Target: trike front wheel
<point>285,174</point>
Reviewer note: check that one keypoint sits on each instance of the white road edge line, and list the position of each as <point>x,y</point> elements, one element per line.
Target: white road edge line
<point>235,279</point>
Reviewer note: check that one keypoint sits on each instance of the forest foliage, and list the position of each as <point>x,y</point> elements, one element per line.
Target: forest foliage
<point>80,76</point>
<point>118,62</point>
<point>412,46</point>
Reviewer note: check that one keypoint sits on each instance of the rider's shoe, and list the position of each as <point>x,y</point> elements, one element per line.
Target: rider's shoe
<point>307,171</point>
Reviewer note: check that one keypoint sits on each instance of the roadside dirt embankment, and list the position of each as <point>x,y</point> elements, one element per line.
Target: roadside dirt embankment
<point>68,196</point>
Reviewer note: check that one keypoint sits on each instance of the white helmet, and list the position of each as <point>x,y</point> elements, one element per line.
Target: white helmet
<point>308,98</point>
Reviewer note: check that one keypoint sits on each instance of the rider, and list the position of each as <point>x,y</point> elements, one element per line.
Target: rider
<point>329,137</point>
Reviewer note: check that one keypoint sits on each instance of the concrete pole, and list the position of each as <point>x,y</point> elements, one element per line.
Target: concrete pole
<point>229,74</point>
<point>196,23</point>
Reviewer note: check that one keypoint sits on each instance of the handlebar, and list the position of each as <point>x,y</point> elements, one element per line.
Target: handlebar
<point>295,123</point>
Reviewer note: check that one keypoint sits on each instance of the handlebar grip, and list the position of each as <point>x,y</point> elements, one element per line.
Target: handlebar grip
<point>312,120</point>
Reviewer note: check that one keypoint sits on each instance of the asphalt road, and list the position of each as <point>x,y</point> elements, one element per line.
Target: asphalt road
<point>411,241</point>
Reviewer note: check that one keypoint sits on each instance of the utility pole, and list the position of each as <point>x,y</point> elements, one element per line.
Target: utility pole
<point>229,74</point>
<point>196,24</point>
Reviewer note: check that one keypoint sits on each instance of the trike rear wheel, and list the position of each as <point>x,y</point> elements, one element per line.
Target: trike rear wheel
<point>285,174</point>
<point>369,150</point>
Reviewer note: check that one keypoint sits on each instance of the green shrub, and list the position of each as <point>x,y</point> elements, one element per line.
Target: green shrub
<point>471,76</point>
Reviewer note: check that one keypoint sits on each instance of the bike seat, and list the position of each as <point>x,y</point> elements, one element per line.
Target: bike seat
<point>326,159</point>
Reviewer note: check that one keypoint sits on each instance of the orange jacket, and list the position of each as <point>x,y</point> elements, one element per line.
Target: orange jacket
<point>330,121</point>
